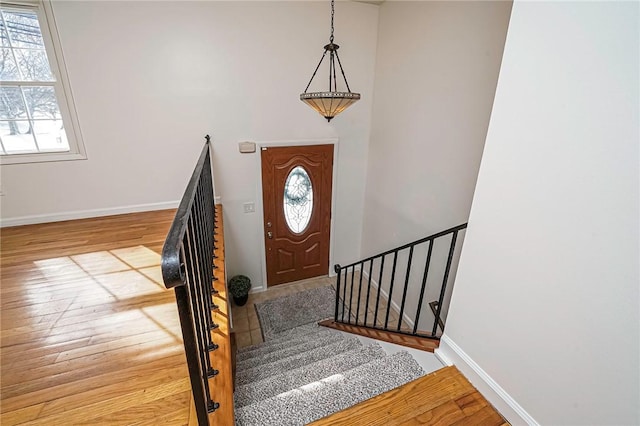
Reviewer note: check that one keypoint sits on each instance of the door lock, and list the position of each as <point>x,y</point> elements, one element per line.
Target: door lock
<point>269,234</point>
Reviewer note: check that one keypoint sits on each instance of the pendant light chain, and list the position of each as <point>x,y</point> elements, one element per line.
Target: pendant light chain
<point>332,13</point>
<point>332,61</point>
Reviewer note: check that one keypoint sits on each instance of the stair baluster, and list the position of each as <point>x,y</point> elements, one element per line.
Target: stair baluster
<point>385,310</point>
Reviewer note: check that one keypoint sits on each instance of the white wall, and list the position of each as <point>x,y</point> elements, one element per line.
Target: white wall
<point>547,296</point>
<point>436,72</point>
<point>151,78</point>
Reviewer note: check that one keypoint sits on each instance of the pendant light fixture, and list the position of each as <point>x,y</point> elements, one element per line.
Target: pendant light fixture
<point>330,103</point>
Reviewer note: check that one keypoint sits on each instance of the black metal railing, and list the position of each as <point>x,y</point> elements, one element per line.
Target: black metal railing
<point>187,267</point>
<point>383,304</point>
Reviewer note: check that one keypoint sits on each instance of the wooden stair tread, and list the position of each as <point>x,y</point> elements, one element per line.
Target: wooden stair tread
<point>444,397</point>
<point>415,342</point>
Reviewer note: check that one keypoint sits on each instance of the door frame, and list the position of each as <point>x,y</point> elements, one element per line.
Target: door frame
<point>260,201</point>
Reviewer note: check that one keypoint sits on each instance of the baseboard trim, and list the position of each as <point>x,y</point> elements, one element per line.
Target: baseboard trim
<point>85,214</point>
<point>257,289</point>
<point>450,353</point>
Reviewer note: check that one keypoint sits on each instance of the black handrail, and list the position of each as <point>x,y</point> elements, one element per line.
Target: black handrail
<point>345,297</point>
<point>187,266</point>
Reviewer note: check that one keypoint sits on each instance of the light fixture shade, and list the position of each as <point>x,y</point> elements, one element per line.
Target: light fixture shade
<point>329,104</point>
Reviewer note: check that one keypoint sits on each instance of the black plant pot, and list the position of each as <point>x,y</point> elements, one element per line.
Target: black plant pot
<point>240,301</point>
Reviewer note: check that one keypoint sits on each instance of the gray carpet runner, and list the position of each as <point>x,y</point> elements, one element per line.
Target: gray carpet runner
<point>294,310</point>
<point>244,376</point>
<point>309,372</point>
<point>274,346</point>
<point>295,333</point>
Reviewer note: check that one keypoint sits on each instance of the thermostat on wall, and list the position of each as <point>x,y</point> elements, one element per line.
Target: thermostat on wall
<point>247,147</point>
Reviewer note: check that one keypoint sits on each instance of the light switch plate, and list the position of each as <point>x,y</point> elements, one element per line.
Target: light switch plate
<point>249,207</point>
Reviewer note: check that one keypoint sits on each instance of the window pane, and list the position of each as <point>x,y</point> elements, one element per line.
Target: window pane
<point>4,37</point>
<point>51,135</point>
<point>17,137</point>
<point>24,29</point>
<point>298,200</point>
<point>8,67</point>
<point>31,101</point>
<point>11,104</point>
<point>42,102</point>
<point>34,65</point>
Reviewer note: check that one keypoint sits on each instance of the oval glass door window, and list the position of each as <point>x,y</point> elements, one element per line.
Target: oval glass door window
<point>298,200</point>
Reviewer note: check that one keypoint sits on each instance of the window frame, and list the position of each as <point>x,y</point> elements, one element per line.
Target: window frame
<point>44,10</point>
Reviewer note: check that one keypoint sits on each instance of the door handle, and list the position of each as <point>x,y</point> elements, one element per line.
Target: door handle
<point>269,235</point>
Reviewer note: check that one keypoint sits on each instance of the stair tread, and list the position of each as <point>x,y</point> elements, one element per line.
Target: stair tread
<point>289,348</point>
<point>274,346</point>
<point>244,376</point>
<point>293,333</point>
<point>334,393</point>
<point>423,343</point>
<point>266,388</point>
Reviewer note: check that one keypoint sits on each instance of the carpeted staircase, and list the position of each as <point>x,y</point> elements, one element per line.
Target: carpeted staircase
<point>309,372</point>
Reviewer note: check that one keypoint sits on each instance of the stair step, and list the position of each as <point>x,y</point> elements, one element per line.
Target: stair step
<point>285,335</point>
<point>321,398</point>
<point>287,349</point>
<point>245,376</point>
<point>266,388</point>
<point>276,345</point>
<point>428,344</point>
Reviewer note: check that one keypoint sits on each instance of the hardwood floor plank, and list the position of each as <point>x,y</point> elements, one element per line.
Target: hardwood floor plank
<point>156,412</point>
<point>25,338</point>
<point>175,418</point>
<point>20,416</point>
<point>83,370</point>
<point>472,403</point>
<point>442,415</point>
<point>79,316</point>
<point>88,332</point>
<point>152,378</point>
<point>437,398</point>
<point>124,373</point>
<point>106,407</point>
<point>485,417</point>
<point>170,409</point>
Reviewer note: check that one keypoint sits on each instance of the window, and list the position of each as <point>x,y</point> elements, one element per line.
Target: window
<point>37,117</point>
<point>298,200</point>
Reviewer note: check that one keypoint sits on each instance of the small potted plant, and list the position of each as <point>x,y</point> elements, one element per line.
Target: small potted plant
<point>239,286</point>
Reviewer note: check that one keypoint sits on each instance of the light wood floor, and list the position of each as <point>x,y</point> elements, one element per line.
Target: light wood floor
<point>443,398</point>
<point>89,334</point>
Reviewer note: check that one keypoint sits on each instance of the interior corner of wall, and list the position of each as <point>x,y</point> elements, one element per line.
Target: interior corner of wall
<point>442,356</point>
<point>451,354</point>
